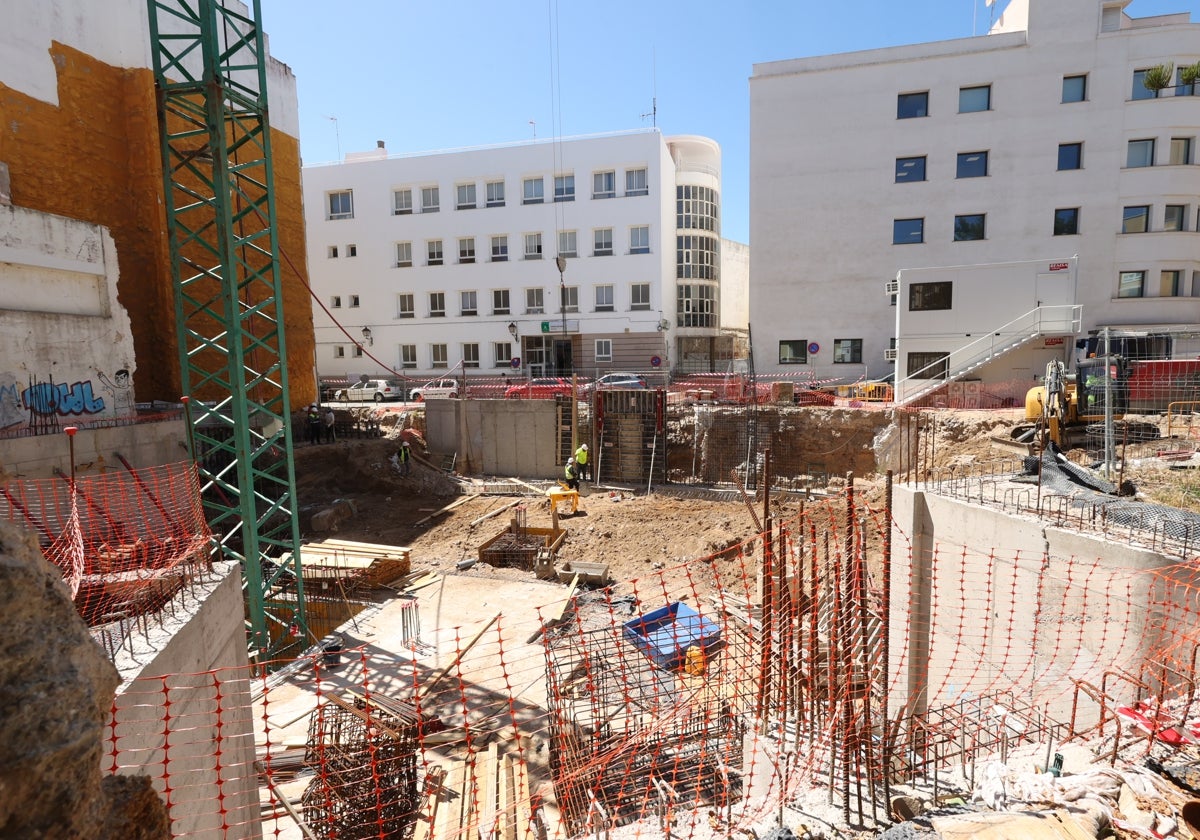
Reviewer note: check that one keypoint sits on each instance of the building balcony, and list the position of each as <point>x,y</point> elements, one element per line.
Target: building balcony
<point>1142,182</point>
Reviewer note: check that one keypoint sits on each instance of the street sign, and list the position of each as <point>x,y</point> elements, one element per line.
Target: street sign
<point>814,348</point>
<point>545,326</point>
<point>516,361</point>
<point>655,361</point>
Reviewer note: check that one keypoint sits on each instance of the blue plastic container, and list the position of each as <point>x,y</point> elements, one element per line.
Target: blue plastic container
<point>665,634</point>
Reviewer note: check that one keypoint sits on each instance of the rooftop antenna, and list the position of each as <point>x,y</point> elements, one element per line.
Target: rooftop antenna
<point>653,112</point>
<point>338,135</point>
<point>534,124</point>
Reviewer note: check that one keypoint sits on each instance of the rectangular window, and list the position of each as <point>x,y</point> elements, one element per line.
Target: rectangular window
<point>470,355</point>
<point>1140,153</point>
<point>1132,284</point>
<point>847,351</point>
<point>972,165</point>
<point>570,299</point>
<point>339,352</point>
<point>401,202</point>
<point>501,354</point>
<point>794,352</point>
<point>433,252</point>
<point>406,305</point>
<point>927,297</point>
<point>430,199</point>
<point>602,243</point>
<point>636,183</point>
<point>639,296</point>
<point>465,197</point>
<point>977,98</point>
<point>437,304</point>
<point>564,187</point>
<point>468,303</point>
<point>604,184</point>
<point>1070,156</point>
<point>1074,88</point>
<point>358,352</point>
<point>1140,91</point>
<point>351,250</point>
<point>1175,217</point>
<point>908,231</point>
<point>500,302</point>
<point>408,356</point>
<point>341,204</point>
<point>335,302</point>
<point>533,191</point>
<point>1066,221</point>
<point>495,193</point>
<point>403,254</point>
<point>1168,283</point>
<point>1181,151</point>
<point>533,246</point>
<point>438,355</point>
<point>603,349</point>
<point>969,228</point>
<point>604,298</point>
<point>928,365</point>
<point>639,239</point>
<point>354,301</point>
<point>535,302</point>
<point>568,243</point>
<point>909,170</point>
<point>1136,219</point>
<point>499,249</point>
<point>909,105</point>
<point>332,252</point>
<point>466,249</point>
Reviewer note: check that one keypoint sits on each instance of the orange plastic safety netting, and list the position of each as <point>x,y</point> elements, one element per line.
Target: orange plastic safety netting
<point>126,540</point>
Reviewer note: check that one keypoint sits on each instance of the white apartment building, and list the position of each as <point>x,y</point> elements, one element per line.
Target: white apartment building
<point>452,257</point>
<point>1036,142</point>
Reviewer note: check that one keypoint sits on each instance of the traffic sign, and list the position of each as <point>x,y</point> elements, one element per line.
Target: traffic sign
<point>655,361</point>
<point>516,361</point>
<point>545,326</point>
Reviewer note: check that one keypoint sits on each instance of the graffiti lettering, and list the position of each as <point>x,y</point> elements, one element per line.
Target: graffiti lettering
<point>48,399</point>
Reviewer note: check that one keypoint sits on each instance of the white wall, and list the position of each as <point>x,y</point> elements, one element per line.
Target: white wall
<point>735,285</point>
<point>116,32</point>
<point>825,138</point>
<point>66,350</point>
<point>374,231</point>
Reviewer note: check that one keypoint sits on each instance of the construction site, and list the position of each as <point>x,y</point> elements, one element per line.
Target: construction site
<point>775,607</point>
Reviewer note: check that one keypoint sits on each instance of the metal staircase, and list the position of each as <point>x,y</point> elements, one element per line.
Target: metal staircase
<point>962,361</point>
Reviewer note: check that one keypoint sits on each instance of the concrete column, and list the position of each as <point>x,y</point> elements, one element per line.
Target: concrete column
<point>920,611</point>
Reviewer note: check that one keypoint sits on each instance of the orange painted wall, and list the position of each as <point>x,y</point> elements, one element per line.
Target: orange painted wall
<point>95,156</point>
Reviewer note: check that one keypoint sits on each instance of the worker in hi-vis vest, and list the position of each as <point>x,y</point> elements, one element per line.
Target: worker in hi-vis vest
<point>581,459</point>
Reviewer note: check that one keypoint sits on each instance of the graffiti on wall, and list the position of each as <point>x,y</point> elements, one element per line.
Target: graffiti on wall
<point>40,405</point>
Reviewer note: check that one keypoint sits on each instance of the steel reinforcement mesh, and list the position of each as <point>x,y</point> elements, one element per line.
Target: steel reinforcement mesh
<point>126,540</point>
<point>833,658</point>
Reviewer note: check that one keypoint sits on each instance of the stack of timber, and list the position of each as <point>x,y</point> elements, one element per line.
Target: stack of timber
<point>353,565</point>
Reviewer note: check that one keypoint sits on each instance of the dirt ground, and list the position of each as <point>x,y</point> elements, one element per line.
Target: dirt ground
<point>639,537</point>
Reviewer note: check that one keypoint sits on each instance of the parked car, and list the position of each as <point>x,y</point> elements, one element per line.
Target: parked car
<point>543,388</point>
<point>378,390</point>
<point>616,380</point>
<point>435,389</point>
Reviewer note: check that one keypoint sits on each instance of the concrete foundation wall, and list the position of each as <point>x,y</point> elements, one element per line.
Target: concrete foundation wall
<point>496,437</point>
<point>142,444</point>
<point>986,602</point>
<point>194,727</point>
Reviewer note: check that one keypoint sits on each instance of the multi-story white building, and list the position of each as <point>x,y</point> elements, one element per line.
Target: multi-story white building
<point>1037,142</point>
<point>452,257</point>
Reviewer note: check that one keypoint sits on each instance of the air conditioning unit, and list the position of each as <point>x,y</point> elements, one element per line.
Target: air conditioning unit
<point>889,355</point>
<point>891,287</point>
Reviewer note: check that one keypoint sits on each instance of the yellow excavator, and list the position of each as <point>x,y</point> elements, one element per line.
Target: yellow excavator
<point>1070,408</point>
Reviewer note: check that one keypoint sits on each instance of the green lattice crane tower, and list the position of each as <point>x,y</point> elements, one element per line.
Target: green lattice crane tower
<point>211,86</point>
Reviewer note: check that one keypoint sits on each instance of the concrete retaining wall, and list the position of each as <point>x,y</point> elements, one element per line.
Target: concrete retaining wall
<point>496,437</point>
<point>142,444</point>
<point>998,602</point>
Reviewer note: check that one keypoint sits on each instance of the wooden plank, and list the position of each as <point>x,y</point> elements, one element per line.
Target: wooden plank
<point>524,808</point>
<point>361,547</point>
<point>566,601</point>
<point>487,792</point>
<point>469,820</point>
<point>446,826</point>
<point>448,508</point>
<point>496,512</point>
<point>441,674</point>
<point>422,582</point>
<point>423,830</point>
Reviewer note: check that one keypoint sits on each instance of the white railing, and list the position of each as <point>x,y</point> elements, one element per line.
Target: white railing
<point>1064,319</point>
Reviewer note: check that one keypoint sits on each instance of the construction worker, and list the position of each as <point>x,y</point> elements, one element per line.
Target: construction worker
<point>581,459</point>
<point>404,456</point>
<point>330,422</point>
<point>572,476</point>
<point>314,423</point>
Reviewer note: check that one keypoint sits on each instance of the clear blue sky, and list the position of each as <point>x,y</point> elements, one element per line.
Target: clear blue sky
<point>436,75</point>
